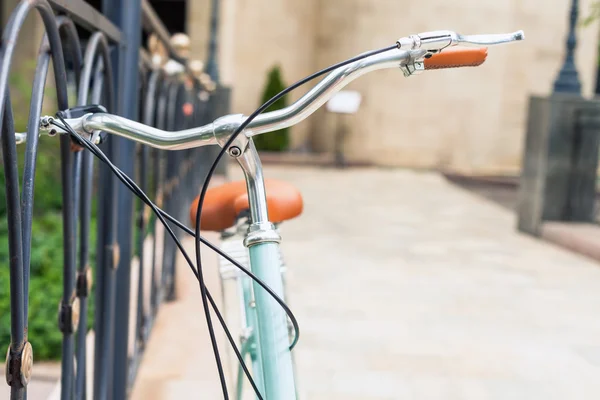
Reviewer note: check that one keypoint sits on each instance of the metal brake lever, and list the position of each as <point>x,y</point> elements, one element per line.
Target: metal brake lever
<point>489,40</point>
<point>436,41</point>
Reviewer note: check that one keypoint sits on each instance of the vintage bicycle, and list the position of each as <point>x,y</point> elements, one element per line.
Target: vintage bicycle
<point>247,212</point>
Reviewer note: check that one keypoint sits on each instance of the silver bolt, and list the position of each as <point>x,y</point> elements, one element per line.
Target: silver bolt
<point>26,363</point>
<point>46,121</point>
<point>235,151</point>
<point>75,313</point>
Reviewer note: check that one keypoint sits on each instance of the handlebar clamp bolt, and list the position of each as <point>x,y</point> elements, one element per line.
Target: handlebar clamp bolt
<point>235,151</point>
<point>414,68</point>
<point>46,121</point>
<point>419,67</point>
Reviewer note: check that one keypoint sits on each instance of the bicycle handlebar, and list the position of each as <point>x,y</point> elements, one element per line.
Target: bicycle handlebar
<point>327,87</point>
<point>413,54</point>
<point>218,131</point>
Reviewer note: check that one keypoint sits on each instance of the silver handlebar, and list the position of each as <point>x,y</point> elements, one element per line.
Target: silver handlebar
<point>221,129</point>
<point>157,138</point>
<point>408,56</point>
<point>326,88</point>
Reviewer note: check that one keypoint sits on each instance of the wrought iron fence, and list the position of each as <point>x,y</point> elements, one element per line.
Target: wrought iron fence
<point>102,53</point>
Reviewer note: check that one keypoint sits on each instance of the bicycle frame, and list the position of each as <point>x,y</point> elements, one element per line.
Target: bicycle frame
<point>250,344</point>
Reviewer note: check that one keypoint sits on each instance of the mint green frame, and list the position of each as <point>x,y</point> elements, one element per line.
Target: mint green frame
<point>249,346</point>
<point>268,344</point>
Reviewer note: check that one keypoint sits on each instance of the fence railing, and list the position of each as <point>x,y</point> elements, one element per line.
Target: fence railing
<point>100,54</point>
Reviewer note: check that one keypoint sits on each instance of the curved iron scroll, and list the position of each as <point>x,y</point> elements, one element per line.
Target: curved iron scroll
<point>176,101</point>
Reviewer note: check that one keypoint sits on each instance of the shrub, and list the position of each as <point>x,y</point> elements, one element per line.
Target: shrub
<point>278,140</point>
<point>45,289</point>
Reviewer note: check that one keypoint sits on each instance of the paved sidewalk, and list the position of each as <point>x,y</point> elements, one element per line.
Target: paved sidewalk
<point>43,381</point>
<point>407,287</point>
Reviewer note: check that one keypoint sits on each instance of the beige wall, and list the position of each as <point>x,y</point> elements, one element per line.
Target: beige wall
<point>255,36</point>
<point>468,120</point>
<point>23,64</point>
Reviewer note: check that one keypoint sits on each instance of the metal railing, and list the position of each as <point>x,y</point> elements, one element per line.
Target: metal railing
<point>111,68</point>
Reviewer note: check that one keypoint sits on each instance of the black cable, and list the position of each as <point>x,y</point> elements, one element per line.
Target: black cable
<point>206,298</point>
<point>239,130</point>
<point>131,185</point>
<point>238,265</point>
<point>128,182</point>
<point>212,171</point>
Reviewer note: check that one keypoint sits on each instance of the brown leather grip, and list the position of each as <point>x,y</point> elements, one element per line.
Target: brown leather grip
<point>457,57</point>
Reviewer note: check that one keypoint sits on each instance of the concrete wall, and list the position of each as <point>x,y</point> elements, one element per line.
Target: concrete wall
<point>255,36</point>
<point>467,120</point>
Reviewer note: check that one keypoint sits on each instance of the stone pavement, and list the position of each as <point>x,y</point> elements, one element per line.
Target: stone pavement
<point>407,287</point>
<point>42,384</point>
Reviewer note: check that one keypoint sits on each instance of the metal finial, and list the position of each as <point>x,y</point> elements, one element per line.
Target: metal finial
<point>568,78</point>
<point>212,67</point>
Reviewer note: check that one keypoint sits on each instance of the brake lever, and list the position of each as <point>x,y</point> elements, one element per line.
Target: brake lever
<point>429,43</point>
<point>436,41</point>
<point>489,40</point>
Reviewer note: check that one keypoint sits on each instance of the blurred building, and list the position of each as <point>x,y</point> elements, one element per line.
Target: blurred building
<point>470,120</point>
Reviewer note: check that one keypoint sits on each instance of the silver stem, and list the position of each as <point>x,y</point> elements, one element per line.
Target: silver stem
<point>252,167</point>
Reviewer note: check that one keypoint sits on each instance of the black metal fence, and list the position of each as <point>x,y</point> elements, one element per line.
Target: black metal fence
<point>102,53</point>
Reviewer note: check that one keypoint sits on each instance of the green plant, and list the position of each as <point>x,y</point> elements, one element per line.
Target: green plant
<point>47,181</point>
<point>278,140</point>
<point>45,289</point>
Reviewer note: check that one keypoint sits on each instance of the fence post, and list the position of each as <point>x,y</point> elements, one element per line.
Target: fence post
<point>568,78</point>
<point>126,14</point>
<point>212,65</point>
<point>558,176</point>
